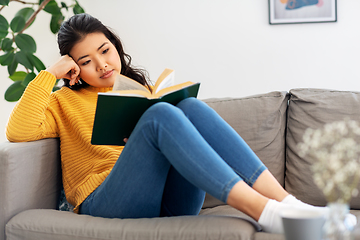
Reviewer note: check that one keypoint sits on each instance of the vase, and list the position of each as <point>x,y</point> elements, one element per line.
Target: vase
<point>335,227</point>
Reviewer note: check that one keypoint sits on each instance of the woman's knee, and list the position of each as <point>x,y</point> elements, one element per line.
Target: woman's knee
<point>192,105</point>
<point>162,111</point>
<point>188,101</point>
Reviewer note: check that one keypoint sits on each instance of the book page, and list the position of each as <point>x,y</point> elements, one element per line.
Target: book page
<point>171,89</point>
<point>124,83</point>
<point>166,79</point>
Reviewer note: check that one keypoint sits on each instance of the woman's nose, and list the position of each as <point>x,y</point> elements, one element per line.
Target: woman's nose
<point>101,64</point>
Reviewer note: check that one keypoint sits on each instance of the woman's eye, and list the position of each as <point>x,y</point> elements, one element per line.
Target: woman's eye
<point>86,63</point>
<point>105,51</point>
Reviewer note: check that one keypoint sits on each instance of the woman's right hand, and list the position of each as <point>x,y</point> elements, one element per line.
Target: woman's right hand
<point>67,68</point>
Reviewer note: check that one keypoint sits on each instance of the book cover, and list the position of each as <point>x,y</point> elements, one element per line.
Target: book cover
<point>117,115</point>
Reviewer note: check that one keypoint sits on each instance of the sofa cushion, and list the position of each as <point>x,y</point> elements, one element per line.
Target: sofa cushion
<point>260,120</point>
<point>268,236</point>
<point>29,177</point>
<point>52,224</point>
<point>312,108</point>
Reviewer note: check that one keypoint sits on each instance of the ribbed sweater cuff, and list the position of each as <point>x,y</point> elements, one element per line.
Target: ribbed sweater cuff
<point>45,79</point>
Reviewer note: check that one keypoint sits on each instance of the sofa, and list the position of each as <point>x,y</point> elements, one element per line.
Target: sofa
<point>271,123</point>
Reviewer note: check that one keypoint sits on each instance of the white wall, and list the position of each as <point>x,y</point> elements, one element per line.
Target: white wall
<point>227,45</point>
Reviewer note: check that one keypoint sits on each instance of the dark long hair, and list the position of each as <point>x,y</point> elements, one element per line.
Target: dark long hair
<point>77,27</point>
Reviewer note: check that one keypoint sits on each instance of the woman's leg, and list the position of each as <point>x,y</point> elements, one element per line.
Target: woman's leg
<point>134,187</point>
<point>232,148</point>
<point>163,137</point>
<point>180,196</point>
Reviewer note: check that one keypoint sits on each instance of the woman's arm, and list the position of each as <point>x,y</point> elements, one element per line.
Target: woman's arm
<point>32,118</point>
<point>65,68</point>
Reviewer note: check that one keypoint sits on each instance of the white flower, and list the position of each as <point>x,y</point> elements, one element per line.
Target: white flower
<point>335,150</point>
<point>355,192</point>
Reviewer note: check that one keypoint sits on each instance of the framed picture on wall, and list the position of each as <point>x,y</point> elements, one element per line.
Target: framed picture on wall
<point>302,11</point>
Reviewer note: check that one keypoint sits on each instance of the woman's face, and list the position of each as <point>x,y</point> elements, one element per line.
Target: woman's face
<point>98,60</point>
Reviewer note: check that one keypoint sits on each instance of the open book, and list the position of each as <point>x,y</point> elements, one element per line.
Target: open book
<point>118,111</point>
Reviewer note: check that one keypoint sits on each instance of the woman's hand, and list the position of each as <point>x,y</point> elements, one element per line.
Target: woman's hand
<point>67,68</point>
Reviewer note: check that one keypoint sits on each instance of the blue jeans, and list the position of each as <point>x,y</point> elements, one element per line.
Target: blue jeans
<point>174,155</point>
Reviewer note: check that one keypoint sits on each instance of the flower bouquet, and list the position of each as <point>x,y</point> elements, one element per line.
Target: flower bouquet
<point>335,151</point>
<point>336,154</point>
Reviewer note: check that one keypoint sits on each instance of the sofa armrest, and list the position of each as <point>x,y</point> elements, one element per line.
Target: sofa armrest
<point>30,177</point>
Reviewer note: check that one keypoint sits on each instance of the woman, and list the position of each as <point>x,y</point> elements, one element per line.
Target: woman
<point>174,155</point>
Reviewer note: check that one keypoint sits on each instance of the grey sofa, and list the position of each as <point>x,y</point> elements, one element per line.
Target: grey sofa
<point>272,124</point>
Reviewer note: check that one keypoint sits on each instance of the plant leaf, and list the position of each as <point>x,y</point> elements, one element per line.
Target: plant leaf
<point>78,9</point>
<point>25,42</point>
<point>14,92</point>
<point>3,21</point>
<point>4,2</point>
<point>18,76</point>
<point>22,58</point>
<point>52,8</point>
<point>63,5</point>
<point>7,58</point>
<point>17,23</point>
<point>4,27</point>
<point>55,88</point>
<point>26,14</point>
<point>12,67</point>
<point>6,44</point>
<point>55,22</point>
<point>29,77</point>
<point>36,62</point>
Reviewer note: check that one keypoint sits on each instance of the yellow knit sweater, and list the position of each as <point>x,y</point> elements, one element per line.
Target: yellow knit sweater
<point>67,114</point>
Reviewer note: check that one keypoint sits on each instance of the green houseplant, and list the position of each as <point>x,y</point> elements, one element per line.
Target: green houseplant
<point>17,49</point>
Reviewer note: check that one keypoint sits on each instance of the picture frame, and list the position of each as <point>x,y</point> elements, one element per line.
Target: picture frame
<point>302,11</point>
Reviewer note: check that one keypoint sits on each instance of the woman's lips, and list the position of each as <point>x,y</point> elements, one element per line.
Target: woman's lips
<point>107,74</point>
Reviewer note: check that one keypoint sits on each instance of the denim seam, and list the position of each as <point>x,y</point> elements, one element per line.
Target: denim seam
<point>250,181</point>
<point>256,174</point>
<point>227,188</point>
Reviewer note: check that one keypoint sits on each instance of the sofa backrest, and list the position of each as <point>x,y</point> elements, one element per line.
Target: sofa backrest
<point>312,108</point>
<point>273,125</point>
<point>260,120</point>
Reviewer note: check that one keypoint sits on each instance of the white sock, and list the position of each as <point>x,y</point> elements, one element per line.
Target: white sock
<point>350,220</point>
<point>291,200</point>
<point>270,219</point>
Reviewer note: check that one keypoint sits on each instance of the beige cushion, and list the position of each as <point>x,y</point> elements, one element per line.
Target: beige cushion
<point>52,224</point>
<point>29,177</point>
<point>312,108</point>
<point>268,236</point>
<point>260,120</point>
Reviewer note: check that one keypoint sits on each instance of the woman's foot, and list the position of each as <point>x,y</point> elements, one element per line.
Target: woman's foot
<point>350,220</point>
<point>270,219</point>
<point>291,200</point>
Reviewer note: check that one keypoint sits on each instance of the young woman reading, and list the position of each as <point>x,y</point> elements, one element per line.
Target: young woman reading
<point>174,155</point>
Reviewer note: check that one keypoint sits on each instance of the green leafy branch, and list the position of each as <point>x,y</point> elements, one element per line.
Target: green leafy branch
<point>18,48</point>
